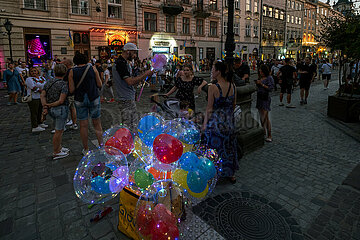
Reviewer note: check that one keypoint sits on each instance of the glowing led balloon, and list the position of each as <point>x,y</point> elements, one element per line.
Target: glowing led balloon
<point>196,181</point>
<point>167,149</point>
<point>189,161</point>
<point>159,61</point>
<point>119,137</point>
<point>147,122</point>
<point>101,175</point>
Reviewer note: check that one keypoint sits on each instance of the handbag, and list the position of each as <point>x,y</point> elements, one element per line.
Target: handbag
<point>27,98</point>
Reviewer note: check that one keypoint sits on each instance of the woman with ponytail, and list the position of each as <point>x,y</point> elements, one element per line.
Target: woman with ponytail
<point>219,121</point>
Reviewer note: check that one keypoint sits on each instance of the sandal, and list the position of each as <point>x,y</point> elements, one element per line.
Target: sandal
<point>268,140</point>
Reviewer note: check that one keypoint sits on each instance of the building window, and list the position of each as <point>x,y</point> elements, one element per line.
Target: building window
<point>201,53</point>
<point>248,5</point>
<point>248,31</point>
<point>256,31</point>
<point>317,22</point>
<point>35,4</point>
<point>264,11</point>
<point>225,28</point>
<point>281,15</point>
<point>170,24</point>
<point>296,20</point>
<point>270,13</point>
<point>305,12</point>
<point>325,12</point>
<point>236,29</point>
<point>213,28</point>
<point>237,4</point>
<point>300,21</point>
<point>150,21</point>
<point>256,7</point>
<point>288,4</point>
<point>115,8</point>
<point>293,5</point>
<point>213,4</point>
<point>277,13</point>
<point>288,18</point>
<point>199,26</point>
<point>80,7</point>
<point>186,25</point>
<point>292,19</point>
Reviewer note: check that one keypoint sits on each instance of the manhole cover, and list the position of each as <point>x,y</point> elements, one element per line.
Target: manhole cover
<point>245,216</point>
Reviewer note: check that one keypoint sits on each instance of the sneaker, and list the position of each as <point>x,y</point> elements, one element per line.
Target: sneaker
<point>43,125</point>
<point>302,102</point>
<point>53,131</point>
<point>64,149</point>
<point>281,104</point>
<point>9,104</point>
<point>38,129</point>
<point>325,88</point>
<point>16,103</point>
<point>59,155</point>
<point>290,106</point>
<point>111,100</point>
<point>305,101</point>
<point>85,152</point>
<point>68,123</point>
<point>74,127</point>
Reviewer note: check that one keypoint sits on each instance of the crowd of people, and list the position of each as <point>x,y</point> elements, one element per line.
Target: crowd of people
<point>72,91</point>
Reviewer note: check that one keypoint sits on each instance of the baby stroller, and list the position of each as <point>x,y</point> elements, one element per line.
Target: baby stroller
<point>169,108</point>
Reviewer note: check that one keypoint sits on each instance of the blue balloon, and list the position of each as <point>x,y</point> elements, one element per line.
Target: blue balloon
<point>152,134</point>
<point>146,123</point>
<point>190,133</point>
<point>100,185</point>
<point>196,182</point>
<point>206,168</point>
<point>189,161</point>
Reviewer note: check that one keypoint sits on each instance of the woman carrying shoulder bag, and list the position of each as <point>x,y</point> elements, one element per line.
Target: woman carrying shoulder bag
<point>54,100</point>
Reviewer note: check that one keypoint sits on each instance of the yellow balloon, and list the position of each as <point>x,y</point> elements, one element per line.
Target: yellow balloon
<point>199,195</point>
<point>180,176</point>
<point>187,147</point>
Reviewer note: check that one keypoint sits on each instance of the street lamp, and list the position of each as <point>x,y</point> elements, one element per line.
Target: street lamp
<point>8,26</point>
<point>230,41</point>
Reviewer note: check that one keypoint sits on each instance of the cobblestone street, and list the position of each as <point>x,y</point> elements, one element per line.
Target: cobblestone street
<point>302,170</point>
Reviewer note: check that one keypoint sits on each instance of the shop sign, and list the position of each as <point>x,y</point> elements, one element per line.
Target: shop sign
<point>161,49</point>
<point>161,43</point>
<point>116,40</point>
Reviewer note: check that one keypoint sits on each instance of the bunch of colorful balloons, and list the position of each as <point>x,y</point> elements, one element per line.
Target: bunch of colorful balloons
<point>164,162</point>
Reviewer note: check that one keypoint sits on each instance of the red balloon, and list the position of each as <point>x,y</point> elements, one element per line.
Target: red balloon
<point>160,231</point>
<point>167,149</point>
<point>173,232</point>
<point>144,221</point>
<point>112,142</point>
<point>125,139</point>
<point>160,212</point>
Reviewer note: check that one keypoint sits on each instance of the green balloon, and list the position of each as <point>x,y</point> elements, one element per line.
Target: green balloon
<point>143,179</point>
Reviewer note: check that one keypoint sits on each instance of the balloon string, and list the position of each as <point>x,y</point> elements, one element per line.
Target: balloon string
<point>142,88</point>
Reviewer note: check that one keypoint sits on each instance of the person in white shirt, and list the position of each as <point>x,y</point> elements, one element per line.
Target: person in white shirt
<point>326,73</point>
<point>24,74</point>
<point>274,73</point>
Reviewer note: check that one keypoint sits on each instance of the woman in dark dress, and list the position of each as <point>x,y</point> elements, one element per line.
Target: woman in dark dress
<point>265,85</point>
<point>185,85</point>
<point>219,121</point>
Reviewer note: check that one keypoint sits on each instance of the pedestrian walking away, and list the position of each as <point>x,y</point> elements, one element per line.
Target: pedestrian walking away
<point>85,82</point>
<point>55,103</point>
<point>287,75</point>
<point>307,74</point>
<point>124,82</point>
<point>12,81</point>
<point>326,73</point>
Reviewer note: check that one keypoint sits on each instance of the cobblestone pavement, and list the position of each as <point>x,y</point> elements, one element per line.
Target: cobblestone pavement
<point>308,159</point>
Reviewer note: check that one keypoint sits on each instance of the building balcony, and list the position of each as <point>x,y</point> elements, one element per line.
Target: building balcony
<point>201,12</point>
<point>172,7</point>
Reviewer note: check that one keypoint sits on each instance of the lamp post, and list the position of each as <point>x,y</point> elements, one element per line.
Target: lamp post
<point>230,41</point>
<point>8,26</point>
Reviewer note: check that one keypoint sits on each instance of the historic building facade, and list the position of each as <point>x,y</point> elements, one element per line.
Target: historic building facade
<point>42,28</point>
<point>180,28</point>
<point>273,25</point>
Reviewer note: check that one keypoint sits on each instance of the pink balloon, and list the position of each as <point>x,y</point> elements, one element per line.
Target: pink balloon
<point>159,61</point>
<point>119,179</point>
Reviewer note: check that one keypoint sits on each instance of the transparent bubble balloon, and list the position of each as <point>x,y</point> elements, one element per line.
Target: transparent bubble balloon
<point>101,175</point>
<point>146,122</point>
<point>119,137</point>
<point>139,177</point>
<point>163,212</point>
<point>190,133</point>
<point>197,173</point>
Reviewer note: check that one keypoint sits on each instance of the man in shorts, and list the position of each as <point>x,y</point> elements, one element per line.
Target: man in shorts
<point>287,75</point>
<point>326,73</point>
<point>307,74</point>
<point>124,83</point>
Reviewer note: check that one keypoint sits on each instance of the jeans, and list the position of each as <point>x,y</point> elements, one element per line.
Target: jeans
<point>59,115</point>
<point>88,108</point>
